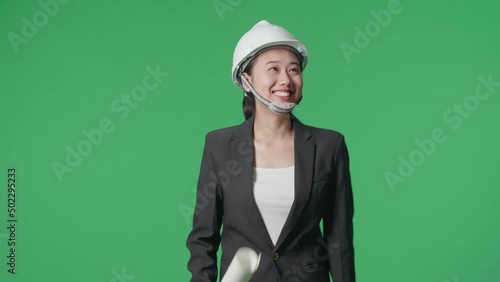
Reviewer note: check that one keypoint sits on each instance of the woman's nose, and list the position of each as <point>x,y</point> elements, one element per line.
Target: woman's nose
<point>284,78</point>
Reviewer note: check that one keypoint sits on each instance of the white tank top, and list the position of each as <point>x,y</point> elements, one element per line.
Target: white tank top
<point>274,192</point>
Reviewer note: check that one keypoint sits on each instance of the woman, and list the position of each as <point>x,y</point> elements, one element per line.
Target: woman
<point>271,180</point>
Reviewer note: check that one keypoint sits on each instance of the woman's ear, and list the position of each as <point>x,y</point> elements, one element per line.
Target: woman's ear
<point>249,78</point>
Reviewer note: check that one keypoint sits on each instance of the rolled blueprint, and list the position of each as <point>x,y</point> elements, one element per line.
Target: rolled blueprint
<point>243,266</point>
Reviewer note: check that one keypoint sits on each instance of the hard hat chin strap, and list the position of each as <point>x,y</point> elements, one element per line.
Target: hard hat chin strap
<point>277,107</point>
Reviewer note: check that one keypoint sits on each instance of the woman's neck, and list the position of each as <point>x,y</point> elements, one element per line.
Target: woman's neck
<point>269,126</point>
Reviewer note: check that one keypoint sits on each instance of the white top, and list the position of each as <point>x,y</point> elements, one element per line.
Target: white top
<point>274,192</point>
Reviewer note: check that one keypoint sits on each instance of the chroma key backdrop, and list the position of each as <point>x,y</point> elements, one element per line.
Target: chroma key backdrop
<point>105,106</point>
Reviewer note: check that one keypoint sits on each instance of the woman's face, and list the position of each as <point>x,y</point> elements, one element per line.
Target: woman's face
<point>276,76</point>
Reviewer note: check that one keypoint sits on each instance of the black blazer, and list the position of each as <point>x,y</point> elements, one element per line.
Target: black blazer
<point>322,192</point>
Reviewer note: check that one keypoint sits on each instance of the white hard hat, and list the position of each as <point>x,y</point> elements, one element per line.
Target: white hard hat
<point>264,35</point>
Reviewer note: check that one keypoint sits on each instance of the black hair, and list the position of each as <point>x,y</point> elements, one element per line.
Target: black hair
<point>249,99</point>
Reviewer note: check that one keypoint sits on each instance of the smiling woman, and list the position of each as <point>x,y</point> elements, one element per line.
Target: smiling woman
<point>291,178</point>
<point>269,65</point>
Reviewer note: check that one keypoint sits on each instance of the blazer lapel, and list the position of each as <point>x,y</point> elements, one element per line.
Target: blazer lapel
<point>304,150</point>
<point>242,147</point>
<point>243,152</point>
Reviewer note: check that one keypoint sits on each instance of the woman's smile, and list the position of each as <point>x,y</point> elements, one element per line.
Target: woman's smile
<point>283,95</point>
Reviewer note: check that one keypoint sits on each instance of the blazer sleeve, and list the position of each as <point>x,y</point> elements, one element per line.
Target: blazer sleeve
<point>204,239</point>
<point>337,221</point>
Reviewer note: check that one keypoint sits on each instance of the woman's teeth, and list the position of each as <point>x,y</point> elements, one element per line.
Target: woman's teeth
<point>281,94</point>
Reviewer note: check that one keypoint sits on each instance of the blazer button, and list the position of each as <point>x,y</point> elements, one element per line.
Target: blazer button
<point>276,256</point>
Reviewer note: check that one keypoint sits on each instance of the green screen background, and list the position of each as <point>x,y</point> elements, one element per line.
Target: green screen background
<point>125,208</point>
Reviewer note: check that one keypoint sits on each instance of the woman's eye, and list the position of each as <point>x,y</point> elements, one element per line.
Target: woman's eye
<point>273,68</point>
<point>295,70</point>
